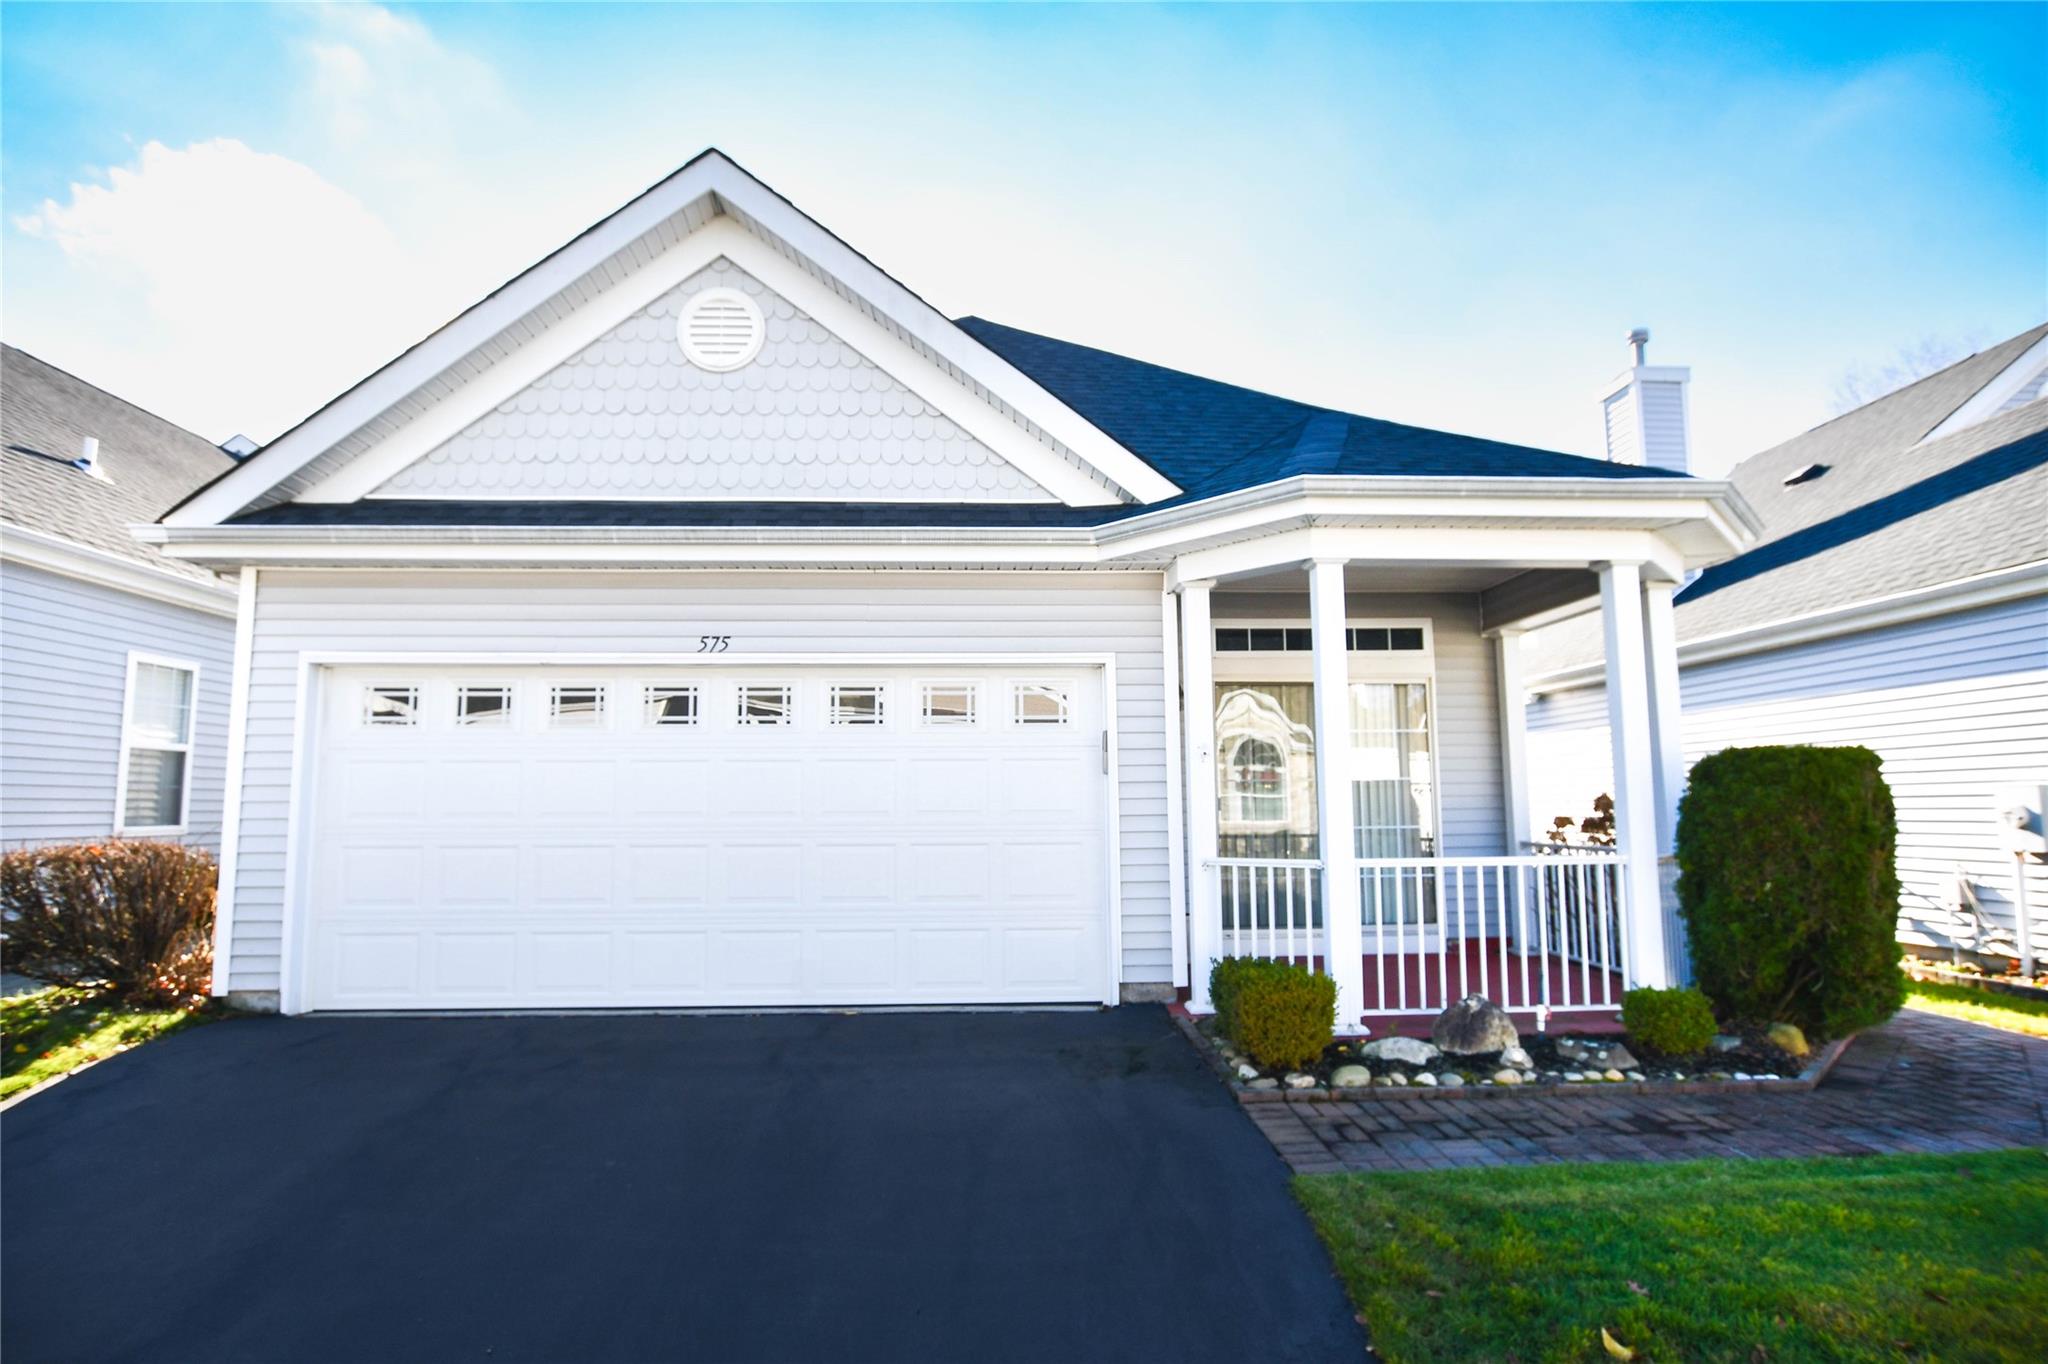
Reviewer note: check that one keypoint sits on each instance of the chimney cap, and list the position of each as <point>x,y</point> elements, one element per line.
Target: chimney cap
<point>1638,343</point>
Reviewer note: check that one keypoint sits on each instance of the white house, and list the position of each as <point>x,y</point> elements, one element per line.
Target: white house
<point>1898,600</point>
<point>702,619</point>
<point>115,659</point>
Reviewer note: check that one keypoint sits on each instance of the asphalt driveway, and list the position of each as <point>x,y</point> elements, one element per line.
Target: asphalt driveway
<point>1052,1186</point>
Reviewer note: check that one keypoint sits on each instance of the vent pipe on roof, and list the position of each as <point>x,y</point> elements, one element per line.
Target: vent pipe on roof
<point>89,456</point>
<point>1645,411</point>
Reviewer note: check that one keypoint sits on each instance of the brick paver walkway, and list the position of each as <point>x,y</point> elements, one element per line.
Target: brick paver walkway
<point>1920,1083</point>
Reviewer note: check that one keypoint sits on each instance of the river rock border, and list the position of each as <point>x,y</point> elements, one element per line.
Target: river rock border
<point>1816,1070</point>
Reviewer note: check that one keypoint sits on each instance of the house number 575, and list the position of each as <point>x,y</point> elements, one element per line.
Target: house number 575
<point>713,644</point>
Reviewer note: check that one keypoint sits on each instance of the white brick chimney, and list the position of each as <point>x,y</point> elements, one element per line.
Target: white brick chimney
<point>1646,413</point>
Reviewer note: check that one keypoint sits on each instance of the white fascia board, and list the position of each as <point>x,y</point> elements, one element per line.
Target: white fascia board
<point>711,174</point>
<point>1963,594</point>
<point>1477,545</point>
<point>1986,401</point>
<point>67,558</point>
<point>1651,503</point>
<point>724,239</point>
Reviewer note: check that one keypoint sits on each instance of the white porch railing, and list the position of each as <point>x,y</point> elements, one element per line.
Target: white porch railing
<point>1544,931</point>
<point>1272,907</point>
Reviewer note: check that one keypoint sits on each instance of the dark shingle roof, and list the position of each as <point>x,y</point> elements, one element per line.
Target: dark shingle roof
<point>1207,436</point>
<point>1211,437</point>
<point>1886,514</point>
<point>149,463</point>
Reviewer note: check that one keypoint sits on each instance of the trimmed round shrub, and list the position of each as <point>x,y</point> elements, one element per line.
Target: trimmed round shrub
<point>1226,982</point>
<point>1789,886</point>
<point>1675,1022</point>
<point>1285,1017</point>
<point>133,914</point>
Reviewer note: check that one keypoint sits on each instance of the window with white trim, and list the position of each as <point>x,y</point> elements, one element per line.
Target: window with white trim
<point>670,706</point>
<point>860,704</point>
<point>156,746</point>
<point>766,704</point>
<point>1038,703</point>
<point>391,705</point>
<point>576,707</point>
<point>948,703</point>
<point>483,707</point>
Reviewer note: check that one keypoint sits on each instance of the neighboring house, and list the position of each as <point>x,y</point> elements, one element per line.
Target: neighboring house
<point>702,619</point>
<point>115,660</point>
<point>1898,600</point>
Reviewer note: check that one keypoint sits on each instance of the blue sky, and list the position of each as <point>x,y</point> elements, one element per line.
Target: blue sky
<point>1447,215</point>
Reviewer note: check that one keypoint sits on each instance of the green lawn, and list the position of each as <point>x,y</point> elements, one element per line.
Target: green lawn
<point>1760,1262</point>
<point>58,1029</point>
<point>1979,1006</point>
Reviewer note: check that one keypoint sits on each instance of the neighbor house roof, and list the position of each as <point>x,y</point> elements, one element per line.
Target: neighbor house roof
<point>1207,436</point>
<point>1864,508</point>
<point>146,463</point>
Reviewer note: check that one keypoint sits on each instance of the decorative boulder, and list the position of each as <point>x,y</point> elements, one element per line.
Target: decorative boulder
<point>1350,1077</point>
<point>1516,1057</point>
<point>1788,1038</point>
<point>1411,1051</point>
<point>1473,1026</point>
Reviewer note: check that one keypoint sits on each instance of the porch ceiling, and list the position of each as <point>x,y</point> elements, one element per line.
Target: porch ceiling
<point>1366,577</point>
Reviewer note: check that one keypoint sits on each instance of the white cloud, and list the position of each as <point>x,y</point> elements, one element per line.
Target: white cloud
<point>263,289</point>
<point>380,81</point>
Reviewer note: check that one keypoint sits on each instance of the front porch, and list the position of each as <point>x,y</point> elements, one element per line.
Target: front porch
<point>1438,886</point>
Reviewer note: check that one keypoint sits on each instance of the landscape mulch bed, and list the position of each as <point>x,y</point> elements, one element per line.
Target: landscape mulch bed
<point>1764,1065</point>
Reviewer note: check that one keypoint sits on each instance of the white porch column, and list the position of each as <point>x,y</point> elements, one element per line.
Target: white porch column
<point>1514,739</point>
<point>1635,801</point>
<point>1198,677</point>
<point>1667,757</point>
<point>1343,939</point>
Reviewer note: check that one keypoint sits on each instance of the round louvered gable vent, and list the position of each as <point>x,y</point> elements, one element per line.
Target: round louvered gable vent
<point>720,330</point>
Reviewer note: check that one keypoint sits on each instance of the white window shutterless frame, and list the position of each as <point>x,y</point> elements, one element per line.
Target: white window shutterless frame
<point>153,787</point>
<point>720,863</point>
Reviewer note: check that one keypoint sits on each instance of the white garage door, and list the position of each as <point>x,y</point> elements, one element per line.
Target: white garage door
<point>563,837</point>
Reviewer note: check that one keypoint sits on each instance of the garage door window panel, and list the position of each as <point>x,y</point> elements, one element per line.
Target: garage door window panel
<point>765,704</point>
<point>391,705</point>
<point>670,706</point>
<point>483,707</point>
<point>1040,703</point>
<point>944,704</point>
<point>858,704</point>
<point>581,706</point>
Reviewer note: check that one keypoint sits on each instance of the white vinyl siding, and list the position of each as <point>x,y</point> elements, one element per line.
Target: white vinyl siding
<point>851,613</point>
<point>1957,706</point>
<point>64,647</point>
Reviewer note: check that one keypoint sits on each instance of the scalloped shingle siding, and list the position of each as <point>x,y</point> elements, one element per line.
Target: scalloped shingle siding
<point>629,417</point>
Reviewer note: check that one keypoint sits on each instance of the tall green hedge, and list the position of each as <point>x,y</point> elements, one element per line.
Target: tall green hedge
<point>1789,886</point>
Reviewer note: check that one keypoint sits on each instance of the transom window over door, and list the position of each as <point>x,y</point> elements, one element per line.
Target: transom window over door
<point>156,746</point>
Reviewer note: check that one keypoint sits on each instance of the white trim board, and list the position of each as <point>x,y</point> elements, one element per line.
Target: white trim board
<point>69,559</point>
<point>709,185</point>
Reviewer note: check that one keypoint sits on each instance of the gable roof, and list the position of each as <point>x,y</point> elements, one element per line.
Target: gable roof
<point>579,285</point>
<point>1208,436</point>
<point>148,463</point>
<point>1886,511</point>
